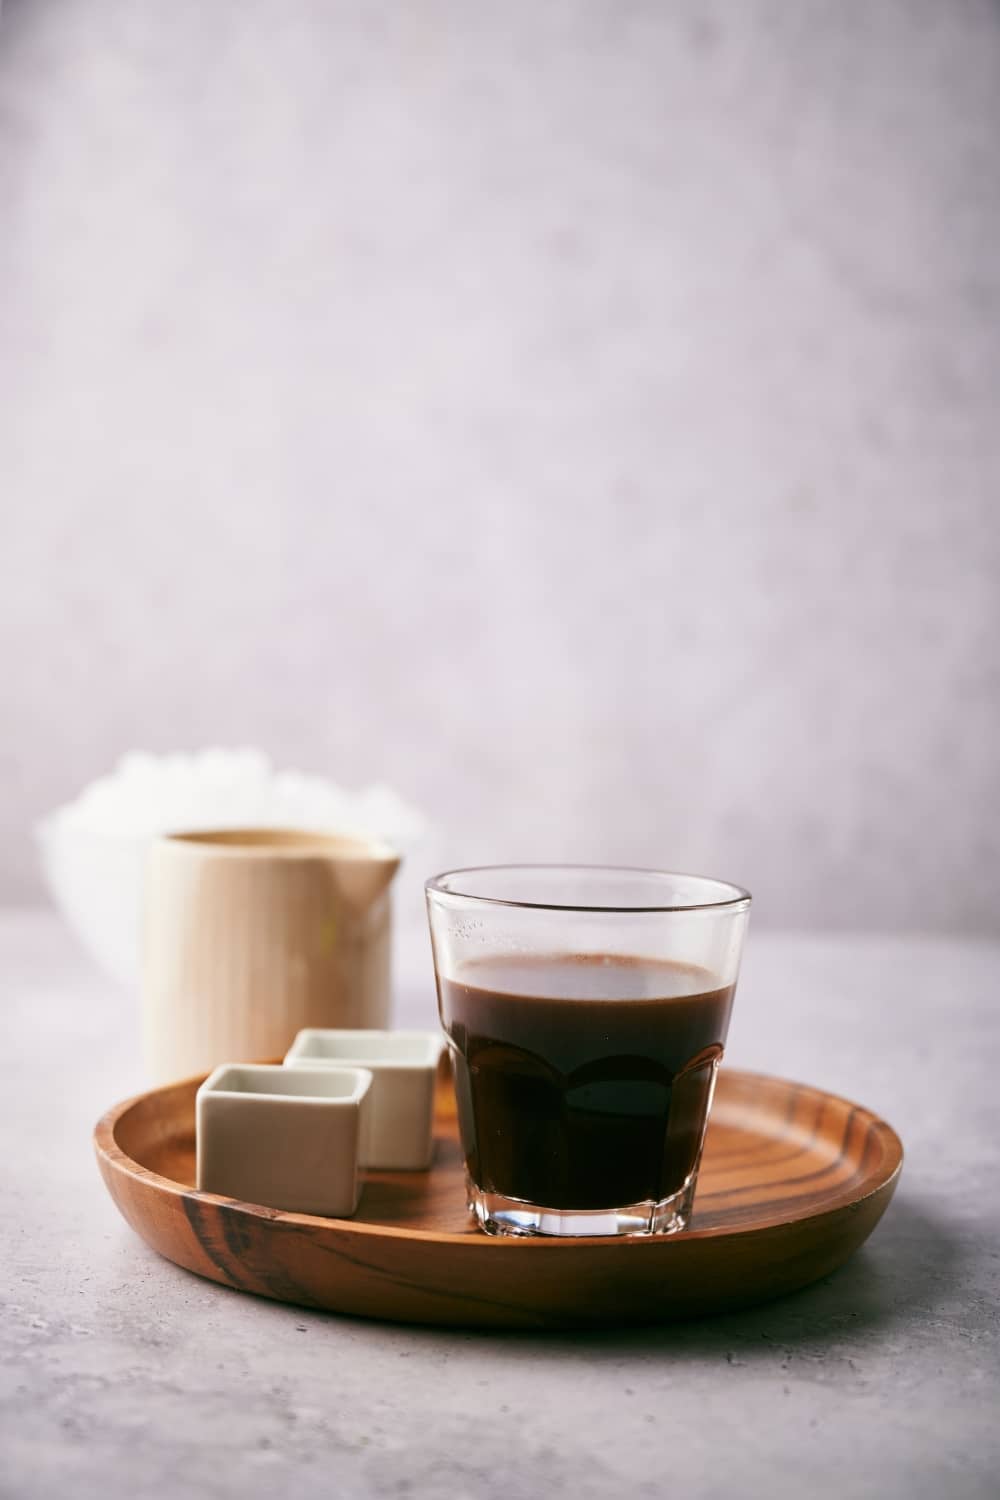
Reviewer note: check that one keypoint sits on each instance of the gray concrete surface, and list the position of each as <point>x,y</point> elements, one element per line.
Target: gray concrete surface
<point>121,1375</point>
<point>582,415</point>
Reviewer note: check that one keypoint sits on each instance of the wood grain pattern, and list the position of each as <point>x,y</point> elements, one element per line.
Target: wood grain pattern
<point>793,1180</point>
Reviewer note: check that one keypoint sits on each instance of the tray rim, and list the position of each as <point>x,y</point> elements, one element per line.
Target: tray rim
<point>884,1178</point>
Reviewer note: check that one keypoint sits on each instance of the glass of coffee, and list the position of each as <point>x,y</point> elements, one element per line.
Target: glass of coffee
<point>586,1010</point>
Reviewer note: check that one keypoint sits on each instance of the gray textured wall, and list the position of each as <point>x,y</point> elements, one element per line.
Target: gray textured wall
<point>586,416</point>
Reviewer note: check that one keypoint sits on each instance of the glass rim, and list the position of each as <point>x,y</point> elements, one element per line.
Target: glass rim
<point>737,896</point>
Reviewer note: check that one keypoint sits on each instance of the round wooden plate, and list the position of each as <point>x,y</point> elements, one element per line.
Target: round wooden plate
<point>792,1181</point>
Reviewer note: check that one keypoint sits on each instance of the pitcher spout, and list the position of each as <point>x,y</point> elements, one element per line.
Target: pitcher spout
<point>364,872</point>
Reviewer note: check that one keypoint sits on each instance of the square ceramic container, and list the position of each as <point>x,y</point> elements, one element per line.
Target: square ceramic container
<point>403,1065</point>
<point>287,1138</point>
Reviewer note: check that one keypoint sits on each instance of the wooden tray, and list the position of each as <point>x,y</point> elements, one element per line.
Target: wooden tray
<point>793,1180</point>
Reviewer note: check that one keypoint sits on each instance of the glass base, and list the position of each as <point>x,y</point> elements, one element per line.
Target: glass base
<point>496,1214</point>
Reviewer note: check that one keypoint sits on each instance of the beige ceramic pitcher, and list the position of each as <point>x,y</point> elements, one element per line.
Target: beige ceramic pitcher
<point>251,935</point>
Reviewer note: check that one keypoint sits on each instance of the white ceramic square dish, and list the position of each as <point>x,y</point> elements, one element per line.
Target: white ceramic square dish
<point>399,1135</point>
<point>286,1138</point>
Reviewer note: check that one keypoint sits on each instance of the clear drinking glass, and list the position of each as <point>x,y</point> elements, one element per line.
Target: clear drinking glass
<point>586,1010</point>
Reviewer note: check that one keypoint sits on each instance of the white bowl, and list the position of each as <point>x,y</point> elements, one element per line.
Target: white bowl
<point>94,850</point>
<point>96,882</point>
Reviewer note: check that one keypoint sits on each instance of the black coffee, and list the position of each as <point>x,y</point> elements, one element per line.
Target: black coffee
<point>583,1082</point>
